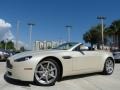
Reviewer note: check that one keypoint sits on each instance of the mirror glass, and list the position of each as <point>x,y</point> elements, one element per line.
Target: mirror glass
<point>82,47</point>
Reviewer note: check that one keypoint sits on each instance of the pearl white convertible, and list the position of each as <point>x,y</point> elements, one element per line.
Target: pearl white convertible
<point>47,67</point>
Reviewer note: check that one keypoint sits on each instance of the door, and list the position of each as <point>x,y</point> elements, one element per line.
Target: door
<point>86,60</point>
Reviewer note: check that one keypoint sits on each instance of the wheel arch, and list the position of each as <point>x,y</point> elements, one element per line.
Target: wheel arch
<point>59,63</point>
<point>112,59</point>
<point>105,61</point>
<point>104,72</point>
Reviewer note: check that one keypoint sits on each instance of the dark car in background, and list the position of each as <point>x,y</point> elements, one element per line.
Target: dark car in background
<point>4,54</point>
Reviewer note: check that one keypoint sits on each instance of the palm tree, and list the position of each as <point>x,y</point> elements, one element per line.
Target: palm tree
<point>93,36</point>
<point>113,31</point>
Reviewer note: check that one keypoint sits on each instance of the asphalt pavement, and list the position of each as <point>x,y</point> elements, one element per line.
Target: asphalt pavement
<point>93,81</point>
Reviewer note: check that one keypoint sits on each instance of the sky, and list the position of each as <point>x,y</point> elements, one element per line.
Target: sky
<point>51,16</point>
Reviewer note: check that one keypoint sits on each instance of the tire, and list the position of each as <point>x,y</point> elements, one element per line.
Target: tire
<point>108,67</point>
<point>47,73</point>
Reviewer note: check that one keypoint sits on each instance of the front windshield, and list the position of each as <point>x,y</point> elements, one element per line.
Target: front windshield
<point>66,46</point>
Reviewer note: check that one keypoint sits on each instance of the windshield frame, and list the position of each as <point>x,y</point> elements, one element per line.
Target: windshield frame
<point>66,46</point>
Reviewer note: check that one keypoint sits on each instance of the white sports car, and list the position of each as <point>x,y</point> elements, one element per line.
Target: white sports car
<point>47,67</point>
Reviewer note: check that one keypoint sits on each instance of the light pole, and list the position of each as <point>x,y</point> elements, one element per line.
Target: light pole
<point>68,27</point>
<point>17,34</point>
<point>6,44</point>
<point>116,36</point>
<point>30,33</point>
<point>102,28</point>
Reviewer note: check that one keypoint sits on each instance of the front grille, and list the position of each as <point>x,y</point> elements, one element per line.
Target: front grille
<point>8,65</point>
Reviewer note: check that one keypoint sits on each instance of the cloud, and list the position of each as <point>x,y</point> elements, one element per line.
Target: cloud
<point>6,34</point>
<point>4,25</point>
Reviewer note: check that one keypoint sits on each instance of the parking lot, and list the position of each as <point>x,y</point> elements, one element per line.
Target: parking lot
<point>80,82</point>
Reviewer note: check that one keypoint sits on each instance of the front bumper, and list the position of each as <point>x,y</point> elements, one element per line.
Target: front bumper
<point>23,71</point>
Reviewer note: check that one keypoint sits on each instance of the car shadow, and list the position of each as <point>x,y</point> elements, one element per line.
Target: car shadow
<point>2,60</point>
<point>79,76</point>
<point>16,82</point>
<point>25,83</point>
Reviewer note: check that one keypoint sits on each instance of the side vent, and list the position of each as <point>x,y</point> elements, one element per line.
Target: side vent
<point>66,57</point>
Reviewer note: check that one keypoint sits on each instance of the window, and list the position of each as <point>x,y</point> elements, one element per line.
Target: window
<point>81,48</point>
<point>65,46</point>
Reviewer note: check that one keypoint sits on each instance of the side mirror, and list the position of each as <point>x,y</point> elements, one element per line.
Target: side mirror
<point>82,47</point>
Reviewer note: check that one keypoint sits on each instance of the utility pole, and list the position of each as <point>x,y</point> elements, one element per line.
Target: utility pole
<point>116,36</point>
<point>17,34</point>
<point>30,33</point>
<point>68,27</point>
<point>102,29</point>
<point>6,44</point>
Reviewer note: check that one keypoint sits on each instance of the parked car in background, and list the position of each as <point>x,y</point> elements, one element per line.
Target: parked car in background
<point>4,54</point>
<point>116,54</point>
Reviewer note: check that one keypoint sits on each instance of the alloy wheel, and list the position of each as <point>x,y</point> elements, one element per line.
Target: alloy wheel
<point>109,66</point>
<point>46,72</point>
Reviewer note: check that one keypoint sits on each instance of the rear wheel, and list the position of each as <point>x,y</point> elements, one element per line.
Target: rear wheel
<point>108,67</point>
<point>47,72</point>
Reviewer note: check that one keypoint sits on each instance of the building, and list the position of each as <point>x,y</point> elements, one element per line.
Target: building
<point>41,45</point>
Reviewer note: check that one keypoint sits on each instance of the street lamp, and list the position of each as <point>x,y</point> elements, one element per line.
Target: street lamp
<point>30,33</point>
<point>68,27</point>
<point>17,34</point>
<point>102,28</point>
<point>6,44</point>
<point>116,36</point>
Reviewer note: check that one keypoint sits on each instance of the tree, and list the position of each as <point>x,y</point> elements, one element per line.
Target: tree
<point>2,44</point>
<point>113,31</point>
<point>93,36</point>
<point>10,45</point>
<point>49,47</point>
<point>22,49</point>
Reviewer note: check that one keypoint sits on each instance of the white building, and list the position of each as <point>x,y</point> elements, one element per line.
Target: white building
<point>40,45</point>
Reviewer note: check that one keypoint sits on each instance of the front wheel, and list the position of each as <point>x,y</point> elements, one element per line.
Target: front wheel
<point>47,72</point>
<point>108,67</point>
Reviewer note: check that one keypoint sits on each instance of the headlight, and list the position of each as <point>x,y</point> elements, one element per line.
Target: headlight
<point>23,59</point>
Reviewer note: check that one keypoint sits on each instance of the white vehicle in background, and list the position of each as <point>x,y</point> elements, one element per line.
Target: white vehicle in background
<point>47,67</point>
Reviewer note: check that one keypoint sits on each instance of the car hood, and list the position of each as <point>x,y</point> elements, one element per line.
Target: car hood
<point>36,53</point>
